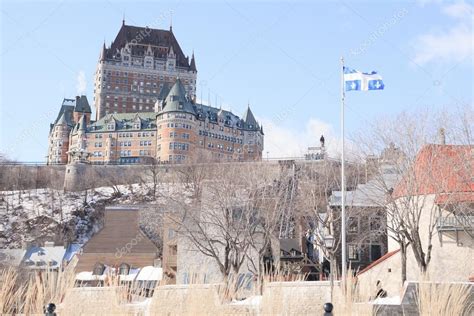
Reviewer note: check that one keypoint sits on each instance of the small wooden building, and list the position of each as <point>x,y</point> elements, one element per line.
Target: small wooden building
<point>120,242</point>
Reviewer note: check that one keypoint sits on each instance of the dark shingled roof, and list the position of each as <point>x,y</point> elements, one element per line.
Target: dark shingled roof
<point>144,36</point>
<point>82,105</point>
<point>193,64</point>
<point>67,108</point>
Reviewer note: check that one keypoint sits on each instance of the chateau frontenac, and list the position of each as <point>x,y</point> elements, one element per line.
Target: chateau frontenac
<point>146,110</point>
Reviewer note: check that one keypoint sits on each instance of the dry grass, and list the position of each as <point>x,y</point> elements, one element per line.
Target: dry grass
<point>282,295</point>
<point>351,299</point>
<point>29,292</point>
<point>438,299</point>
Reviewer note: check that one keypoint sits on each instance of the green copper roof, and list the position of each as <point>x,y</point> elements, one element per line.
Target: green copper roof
<point>125,121</point>
<point>177,100</point>
<point>82,123</point>
<point>62,120</point>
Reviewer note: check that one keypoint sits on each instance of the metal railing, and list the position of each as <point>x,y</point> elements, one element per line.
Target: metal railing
<point>455,222</point>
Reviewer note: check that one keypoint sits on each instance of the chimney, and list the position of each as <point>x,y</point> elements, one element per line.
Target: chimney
<point>442,136</point>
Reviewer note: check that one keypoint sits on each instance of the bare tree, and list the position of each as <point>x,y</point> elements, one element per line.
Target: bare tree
<point>414,149</point>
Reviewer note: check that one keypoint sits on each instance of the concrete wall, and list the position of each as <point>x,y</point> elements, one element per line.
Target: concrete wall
<point>446,254</point>
<point>298,298</point>
<point>389,274</point>
<point>26,177</point>
<point>451,260</point>
<point>91,176</point>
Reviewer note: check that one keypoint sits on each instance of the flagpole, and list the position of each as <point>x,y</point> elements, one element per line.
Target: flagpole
<point>343,179</point>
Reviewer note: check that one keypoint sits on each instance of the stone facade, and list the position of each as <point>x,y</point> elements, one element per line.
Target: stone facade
<point>180,131</point>
<point>65,128</point>
<point>146,110</point>
<point>138,66</point>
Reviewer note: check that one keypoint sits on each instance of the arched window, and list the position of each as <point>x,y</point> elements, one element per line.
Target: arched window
<point>124,269</point>
<point>99,269</point>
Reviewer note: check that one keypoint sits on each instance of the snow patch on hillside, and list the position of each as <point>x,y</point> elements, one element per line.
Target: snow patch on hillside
<point>47,214</point>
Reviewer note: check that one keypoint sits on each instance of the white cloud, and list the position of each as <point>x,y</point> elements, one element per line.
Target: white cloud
<point>452,45</point>
<point>281,142</point>
<point>81,84</point>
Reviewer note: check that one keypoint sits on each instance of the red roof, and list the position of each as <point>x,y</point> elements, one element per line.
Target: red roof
<point>445,170</point>
<point>379,260</point>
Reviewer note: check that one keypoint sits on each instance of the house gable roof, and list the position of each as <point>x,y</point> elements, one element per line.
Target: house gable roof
<point>444,170</point>
<point>120,231</point>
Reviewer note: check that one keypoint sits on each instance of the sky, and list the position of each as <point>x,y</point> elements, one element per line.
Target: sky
<point>280,57</point>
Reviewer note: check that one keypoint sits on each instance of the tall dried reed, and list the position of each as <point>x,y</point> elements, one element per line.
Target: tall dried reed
<point>437,299</point>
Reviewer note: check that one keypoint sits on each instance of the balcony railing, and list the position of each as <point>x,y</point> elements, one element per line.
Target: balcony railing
<point>456,223</point>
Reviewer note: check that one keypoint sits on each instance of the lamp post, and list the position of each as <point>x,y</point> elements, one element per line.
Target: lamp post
<point>329,244</point>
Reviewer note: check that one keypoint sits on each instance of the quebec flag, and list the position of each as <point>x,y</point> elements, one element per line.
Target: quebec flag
<point>362,81</point>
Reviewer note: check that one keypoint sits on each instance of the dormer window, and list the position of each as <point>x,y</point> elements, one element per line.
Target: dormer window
<point>124,269</point>
<point>99,269</point>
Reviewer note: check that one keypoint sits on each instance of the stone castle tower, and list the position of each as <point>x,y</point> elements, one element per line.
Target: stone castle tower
<point>69,116</point>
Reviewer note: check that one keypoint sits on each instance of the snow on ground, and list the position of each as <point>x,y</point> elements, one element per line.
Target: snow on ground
<point>395,300</point>
<point>251,301</point>
<point>27,215</point>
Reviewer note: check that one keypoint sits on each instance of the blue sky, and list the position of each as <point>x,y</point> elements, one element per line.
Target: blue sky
<point>282,57</point>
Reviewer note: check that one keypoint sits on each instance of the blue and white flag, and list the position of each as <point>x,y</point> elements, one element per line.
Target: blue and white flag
<point>362,81</point>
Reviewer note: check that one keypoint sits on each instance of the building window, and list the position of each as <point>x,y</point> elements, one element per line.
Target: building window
<point>375,252</point>
<point>375,223</point>
<point>124,269</point>
<point>99,269</point>
<point>353,252</point>
<point>353,224</point>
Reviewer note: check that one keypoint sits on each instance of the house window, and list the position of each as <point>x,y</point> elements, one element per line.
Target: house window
<point>375,223</point>
<point>353,224</point>
<point>99,269</point>
<point>353,252</point>
<point>124,269</point>
<point>173,250</point>
<point>375,252</point>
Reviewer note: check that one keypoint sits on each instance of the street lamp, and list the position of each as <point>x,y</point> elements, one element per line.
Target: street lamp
<point>329,241</point>
<point>329,244</point>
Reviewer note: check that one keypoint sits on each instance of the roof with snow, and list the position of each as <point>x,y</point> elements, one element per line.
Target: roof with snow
<point>11,257</point>
<point>370,194</point>
<point>44,257</point>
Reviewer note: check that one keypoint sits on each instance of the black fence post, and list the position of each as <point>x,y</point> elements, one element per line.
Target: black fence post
<point>49,310</point>
<point>328,307</point>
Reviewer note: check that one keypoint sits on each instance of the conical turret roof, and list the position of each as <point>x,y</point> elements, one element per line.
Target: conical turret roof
<point>193,64</point>
<point>249,119</point>
<point>177,101</point>
<point>82,123</point>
